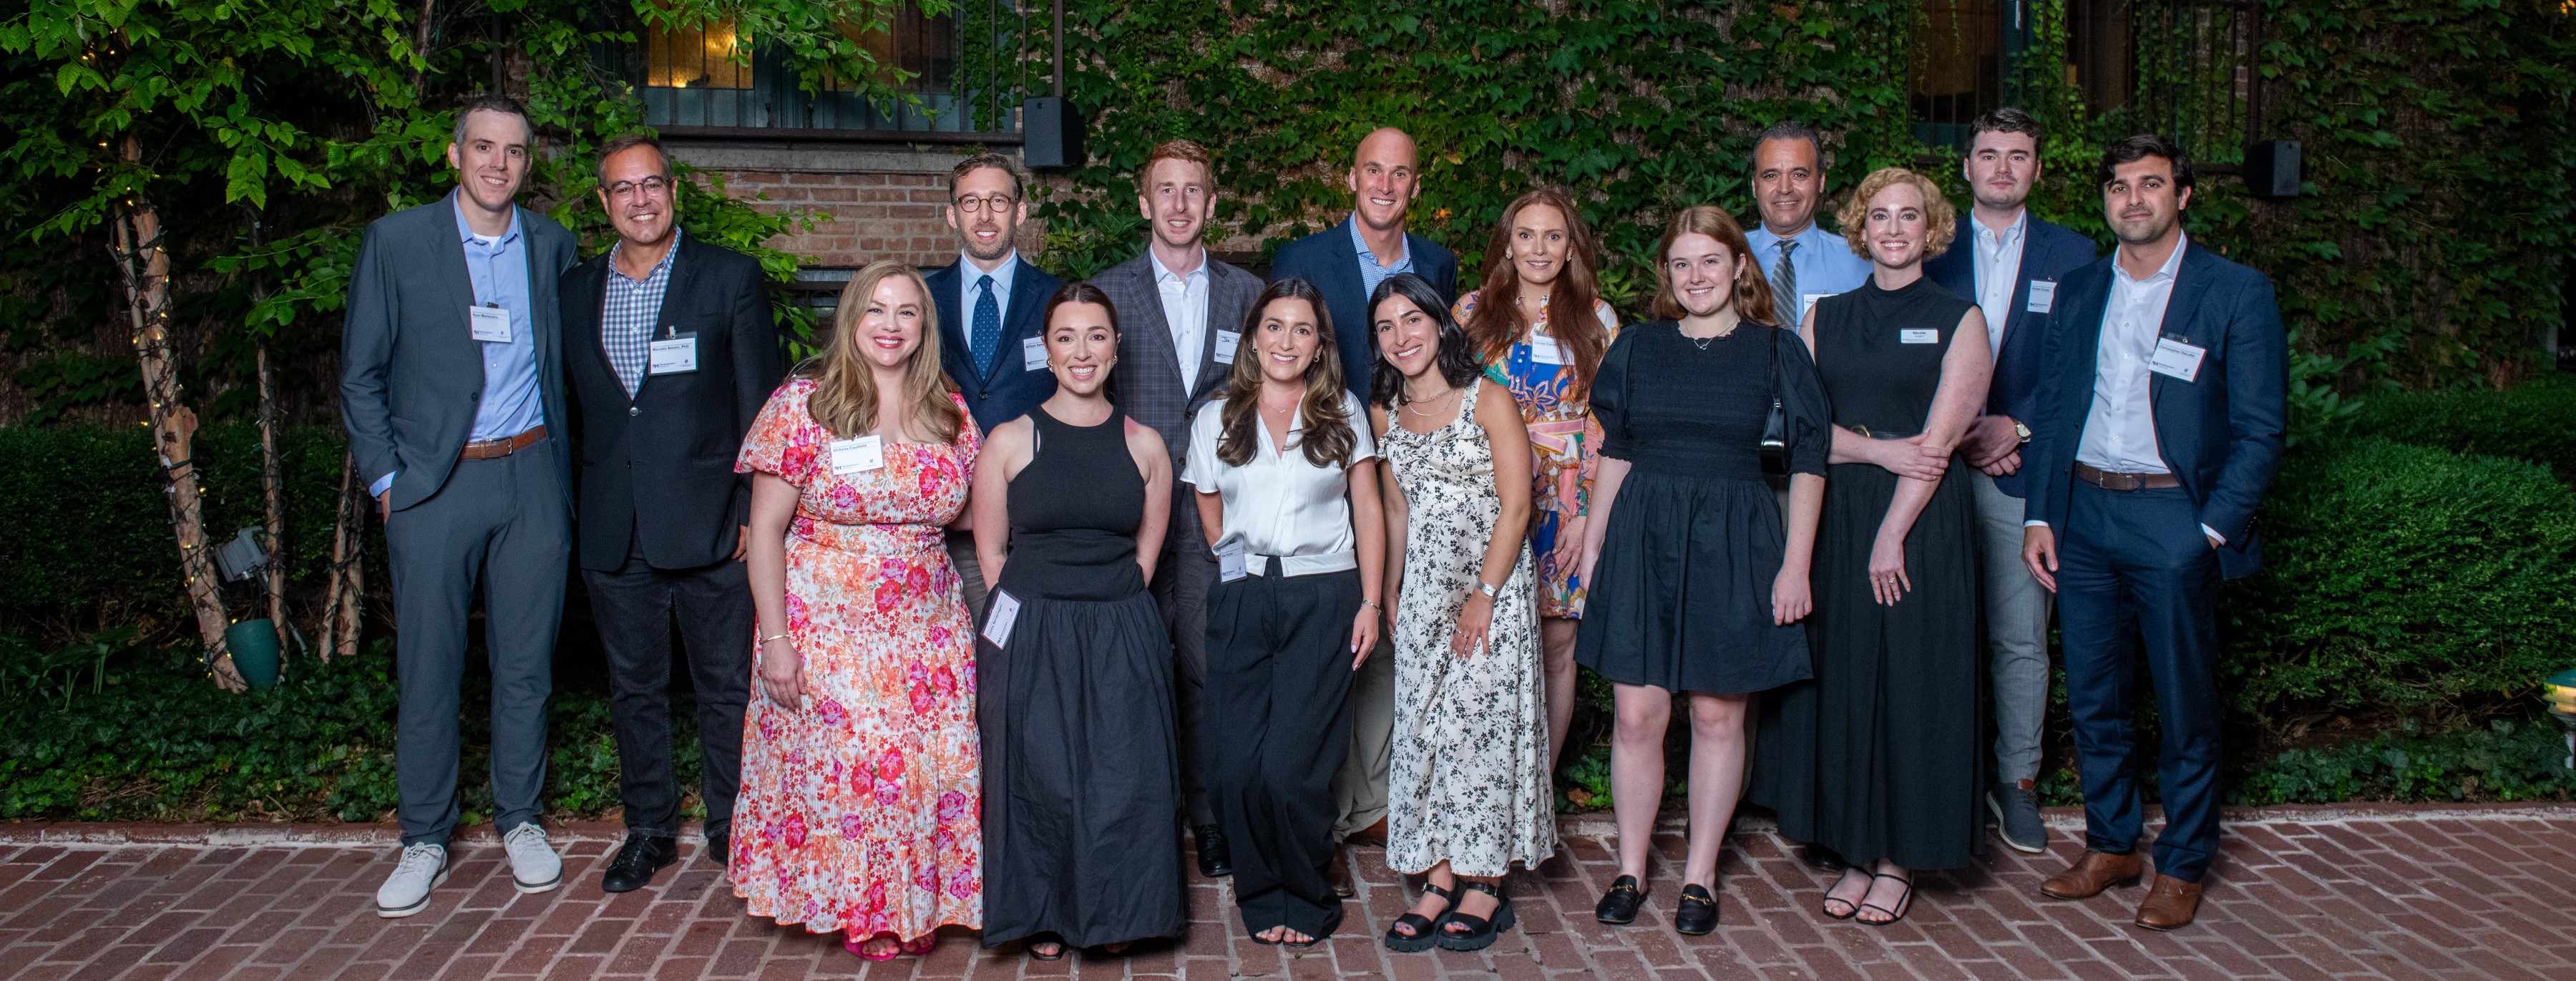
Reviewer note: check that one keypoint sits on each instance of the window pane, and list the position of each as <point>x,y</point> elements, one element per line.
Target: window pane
<point>694,58</point>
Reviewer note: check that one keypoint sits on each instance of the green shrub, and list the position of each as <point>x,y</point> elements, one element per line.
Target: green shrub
<point>2402,579</point>
<point>2503,760</point>
<point>2534,421</point>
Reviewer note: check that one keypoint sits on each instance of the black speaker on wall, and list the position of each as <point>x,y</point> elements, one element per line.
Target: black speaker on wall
<point>1050,132</point>
<point>2272,169</point>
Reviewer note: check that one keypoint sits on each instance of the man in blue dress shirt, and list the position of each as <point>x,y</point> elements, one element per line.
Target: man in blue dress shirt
<point>1803,261</point>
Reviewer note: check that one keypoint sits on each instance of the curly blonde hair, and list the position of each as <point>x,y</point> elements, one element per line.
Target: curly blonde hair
<point>1940,219</point>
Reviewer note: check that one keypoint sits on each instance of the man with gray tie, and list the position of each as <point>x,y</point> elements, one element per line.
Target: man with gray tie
<point>1802,260</point>
<point>451,371</point>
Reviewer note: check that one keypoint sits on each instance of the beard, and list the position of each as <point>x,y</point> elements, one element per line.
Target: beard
<point>1002,243</point>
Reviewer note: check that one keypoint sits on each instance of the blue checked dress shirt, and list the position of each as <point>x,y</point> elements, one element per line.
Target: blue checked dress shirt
<point>627,315</point>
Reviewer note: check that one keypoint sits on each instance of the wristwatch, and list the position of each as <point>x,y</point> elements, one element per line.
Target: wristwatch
<point>2021,430</point>
<point>1489,589</point>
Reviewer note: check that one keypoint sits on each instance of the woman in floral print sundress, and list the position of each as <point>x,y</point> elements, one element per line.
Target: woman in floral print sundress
<point>861,770</point>
<point>1542,256</point>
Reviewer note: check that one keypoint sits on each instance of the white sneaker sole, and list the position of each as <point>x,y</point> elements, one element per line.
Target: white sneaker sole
<point>549,885</point>
<point>1996,807</point>
<point>392,913</point>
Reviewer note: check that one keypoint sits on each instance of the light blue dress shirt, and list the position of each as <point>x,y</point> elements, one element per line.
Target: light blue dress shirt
<point>967,276</point>
<point>1371,273</point>
<point>1824,262</point>
<point>510,404</point>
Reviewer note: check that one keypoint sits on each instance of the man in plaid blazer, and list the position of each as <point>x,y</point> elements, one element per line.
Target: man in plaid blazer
<point>1180,317</point>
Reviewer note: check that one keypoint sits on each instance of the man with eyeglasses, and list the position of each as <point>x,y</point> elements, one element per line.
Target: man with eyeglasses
<point>990,303</point>
<point>671,351</point>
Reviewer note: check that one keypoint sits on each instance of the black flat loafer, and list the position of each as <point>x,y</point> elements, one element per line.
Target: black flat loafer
<point>1698,913</point>
<point>1212,852</point>
<point>1619,906</point>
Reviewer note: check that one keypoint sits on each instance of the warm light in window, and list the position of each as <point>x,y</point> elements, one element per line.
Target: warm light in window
<point>694,58</point>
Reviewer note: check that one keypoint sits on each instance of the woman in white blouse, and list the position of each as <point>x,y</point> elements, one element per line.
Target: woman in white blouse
<point>1290,504</point>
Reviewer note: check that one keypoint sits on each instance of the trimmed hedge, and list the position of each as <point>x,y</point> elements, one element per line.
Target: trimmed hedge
<point>2534,421</point>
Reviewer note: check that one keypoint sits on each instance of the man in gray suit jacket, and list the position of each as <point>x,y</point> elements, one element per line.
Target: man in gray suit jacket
<point>1180,318</point>
<point>451,372</point>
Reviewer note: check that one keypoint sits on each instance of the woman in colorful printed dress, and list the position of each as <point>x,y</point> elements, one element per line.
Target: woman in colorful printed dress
<point>1541,257</point>
<point>860,769</point>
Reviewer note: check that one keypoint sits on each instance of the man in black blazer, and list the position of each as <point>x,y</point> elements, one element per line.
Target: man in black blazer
<point>990,303</point>
<point>2010,266</point>
<point>2162,398</point>
<point>671,351</point>
<point>1180,319</point>
<point>451,385</point>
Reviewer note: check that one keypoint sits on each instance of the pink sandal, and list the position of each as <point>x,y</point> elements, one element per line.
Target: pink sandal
<point>857,946</point>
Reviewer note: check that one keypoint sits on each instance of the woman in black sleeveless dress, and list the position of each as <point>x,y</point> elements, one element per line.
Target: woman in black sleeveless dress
<point>1878,758</point>
<point>1073,671</point>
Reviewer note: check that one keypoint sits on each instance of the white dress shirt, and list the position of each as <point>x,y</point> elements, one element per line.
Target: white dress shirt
<point>2120,430</point>
<point>969,274</point>
<point>1185,311</point>
<point>1998,267</point>
<point>1278,504</point>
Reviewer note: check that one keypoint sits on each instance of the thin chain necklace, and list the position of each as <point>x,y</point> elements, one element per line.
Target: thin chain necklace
<point>1703,342</point>
<point>1409,401</point>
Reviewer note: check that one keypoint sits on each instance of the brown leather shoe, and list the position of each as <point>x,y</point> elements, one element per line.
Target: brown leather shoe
<point>1338,873</point>
<point>2093,873</point>
<point>1374,835</point>
<point>2170,904</point>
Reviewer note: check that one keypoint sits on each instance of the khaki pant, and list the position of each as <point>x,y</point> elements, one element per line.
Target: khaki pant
<point>1359,787</point>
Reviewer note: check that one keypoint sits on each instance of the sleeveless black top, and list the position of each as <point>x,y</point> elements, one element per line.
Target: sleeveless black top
<point>1880,353</point>
<point>1074,512</point>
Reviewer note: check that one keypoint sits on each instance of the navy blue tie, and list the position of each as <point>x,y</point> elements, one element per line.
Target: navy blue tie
<point>988,326</point>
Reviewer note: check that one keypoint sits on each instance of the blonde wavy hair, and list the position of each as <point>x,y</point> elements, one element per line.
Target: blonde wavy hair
<point>1940,219</point>
<point>845,384</point>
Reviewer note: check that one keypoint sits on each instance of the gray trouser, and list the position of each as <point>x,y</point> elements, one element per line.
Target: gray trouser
<point>2016,630</point>
<point>503,525</point>
<point>970,570</point>
<point>1360,785</point>
<point>1182,581</point>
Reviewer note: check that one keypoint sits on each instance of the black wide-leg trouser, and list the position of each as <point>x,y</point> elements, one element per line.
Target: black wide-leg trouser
<point>1277,725</point>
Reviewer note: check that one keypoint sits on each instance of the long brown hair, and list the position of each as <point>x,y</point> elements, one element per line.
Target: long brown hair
<point>1327,438</point>
<point>845,386</point>
<point>1752,290</point>
<point>1496,322</point>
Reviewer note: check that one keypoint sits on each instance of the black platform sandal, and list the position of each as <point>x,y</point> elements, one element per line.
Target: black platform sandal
<point>1619,906</point>
<point>1698,913</point>
<point>1424,931</point>
<point>1480,931</point>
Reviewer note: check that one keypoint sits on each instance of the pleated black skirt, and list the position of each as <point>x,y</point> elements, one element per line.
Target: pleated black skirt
<point>1681,597</point>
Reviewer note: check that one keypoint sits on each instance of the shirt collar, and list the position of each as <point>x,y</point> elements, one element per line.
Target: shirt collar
<point>1002,274</point>
<point>2164,273</point>
<point>2011,233</point>
<point>1165,275</point>
<point>1361,246</point>
<point>674,250</point>
<point>465,232</point>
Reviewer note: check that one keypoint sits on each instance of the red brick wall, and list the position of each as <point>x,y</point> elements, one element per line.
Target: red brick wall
<point>870,216</point>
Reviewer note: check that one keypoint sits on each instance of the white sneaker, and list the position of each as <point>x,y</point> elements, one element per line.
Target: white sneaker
<point>534,866</point>
<point>422,868</point>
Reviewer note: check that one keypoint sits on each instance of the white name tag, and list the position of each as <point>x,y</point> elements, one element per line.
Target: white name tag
<point>2176,359</point>
<point>2043,295</point>
<point>490,324</point>
<point>1226,341</point>
<point>1004,612</point>
<point>673,355</point>
<point>1229,561</point>
<point>1807,302</point>
<point>859,455</point>
<point>1545,350</point>
<point>1033,354</point>
<point>1919,335</point>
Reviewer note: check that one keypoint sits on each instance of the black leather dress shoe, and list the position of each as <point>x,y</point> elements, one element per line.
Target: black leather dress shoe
<point>1821,858</point>
<point>1698,912</point>
<point>1619,905</point>
<point>636,862</point>
<point>1212,856</point>
<point>719,847</point>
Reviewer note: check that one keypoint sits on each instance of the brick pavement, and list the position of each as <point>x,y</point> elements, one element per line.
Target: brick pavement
<point>2302,893</point>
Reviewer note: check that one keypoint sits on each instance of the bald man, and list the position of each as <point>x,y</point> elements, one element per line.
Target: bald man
<point>1347,262</point>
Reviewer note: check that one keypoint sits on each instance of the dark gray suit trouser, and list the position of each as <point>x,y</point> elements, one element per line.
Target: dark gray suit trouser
<point>635,606</point>
<point>504,525</point>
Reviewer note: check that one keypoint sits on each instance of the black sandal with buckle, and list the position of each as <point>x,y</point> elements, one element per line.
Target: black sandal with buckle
<point>1619,906</point>
<point>1424,935</point>
<point>1480,931</point>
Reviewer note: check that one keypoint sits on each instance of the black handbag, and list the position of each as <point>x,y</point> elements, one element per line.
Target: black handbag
<point>1775,426</point>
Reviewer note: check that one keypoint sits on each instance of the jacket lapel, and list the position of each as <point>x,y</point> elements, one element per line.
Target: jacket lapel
<point>1221,304</point>
<point>2180,307</point>
<point>1018,320</point>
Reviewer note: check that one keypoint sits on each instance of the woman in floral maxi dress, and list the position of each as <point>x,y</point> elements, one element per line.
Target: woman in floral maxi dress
<point>860,779</point>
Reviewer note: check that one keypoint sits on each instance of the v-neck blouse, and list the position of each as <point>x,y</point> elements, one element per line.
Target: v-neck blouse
<point>1278,504</point>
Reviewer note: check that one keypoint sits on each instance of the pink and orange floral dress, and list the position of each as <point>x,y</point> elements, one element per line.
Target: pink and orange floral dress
<point>861,813</point>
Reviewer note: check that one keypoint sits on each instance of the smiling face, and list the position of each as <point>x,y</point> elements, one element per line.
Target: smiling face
<point>2141,200</point>
<point>2002,167</point>
<point>1081,345</point>
<point>1287,339</point>
<point>1703,273</point>
<point>1384,178</point>
<point>1896,228</point>
<point>987,232</point>
<point>1788,181</point>
<point>492,160</point>
<point>638,195</point>
<point>1177,202</point>
<point>1408,337</point>
<point>890,330</point>
<point>1539,244</point>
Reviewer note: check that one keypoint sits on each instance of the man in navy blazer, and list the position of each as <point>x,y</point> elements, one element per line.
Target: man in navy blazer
<point>2162,399</point>
<point>2010,269</point>
<point>990,304</point>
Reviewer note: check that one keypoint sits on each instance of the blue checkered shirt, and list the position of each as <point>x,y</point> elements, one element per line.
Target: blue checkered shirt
<point>626,318</point>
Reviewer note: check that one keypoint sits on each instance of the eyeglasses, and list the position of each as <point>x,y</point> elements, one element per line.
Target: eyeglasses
<point>651,187</point>
<point>997,203</point>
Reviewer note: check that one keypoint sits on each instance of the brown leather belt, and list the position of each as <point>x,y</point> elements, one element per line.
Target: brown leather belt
<point>495,448</point>
<point>2125,481</point>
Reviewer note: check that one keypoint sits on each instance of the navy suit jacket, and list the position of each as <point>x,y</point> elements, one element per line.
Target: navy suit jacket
<point>1010,390</point>
<point>2048,253</point>
<point>1329,260</point>
<point>2221,432</point>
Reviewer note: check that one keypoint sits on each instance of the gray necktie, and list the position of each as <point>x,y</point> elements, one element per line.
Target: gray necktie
<point>1784,285</point>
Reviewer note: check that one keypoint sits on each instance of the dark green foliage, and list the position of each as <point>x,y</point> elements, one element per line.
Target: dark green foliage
<point>2504,760</point>
<point>2534,421</point>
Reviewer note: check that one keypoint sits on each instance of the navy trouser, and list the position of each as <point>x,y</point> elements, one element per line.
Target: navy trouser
<point>2134,566</point>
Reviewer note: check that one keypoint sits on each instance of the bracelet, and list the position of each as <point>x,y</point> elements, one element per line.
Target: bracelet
<point>764,642</point>
<point>1372,604</point>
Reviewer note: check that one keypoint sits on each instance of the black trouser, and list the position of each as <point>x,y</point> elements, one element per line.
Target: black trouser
<point>1278,724</point>
<point>635,605</point>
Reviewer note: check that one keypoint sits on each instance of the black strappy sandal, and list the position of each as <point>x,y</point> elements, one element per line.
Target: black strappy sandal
<point>1424,931</point>
<point>1619,906</point>
<point>1481,931</point>
<point>1831,898</point>
<point>1893,915</point>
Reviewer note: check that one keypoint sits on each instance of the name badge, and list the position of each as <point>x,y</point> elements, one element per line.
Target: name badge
<point>1229,561</point>
<point>1546,350</point>
<point>1807,302</point>
<point>1005,611</point>
<point>1033,354</point>
<point>2043,294</point>
<point>2176,359</point>
<point>1226,341</point>
<point>859,455</point>
<point>491,323</point>
<point>675,354</point>
<point>1919,335</point>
